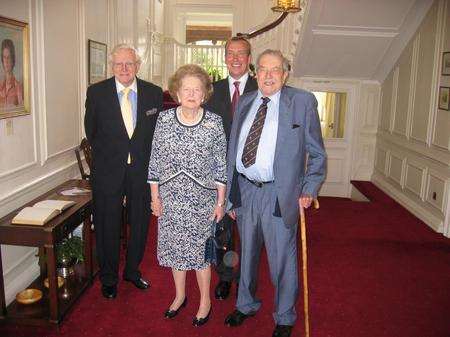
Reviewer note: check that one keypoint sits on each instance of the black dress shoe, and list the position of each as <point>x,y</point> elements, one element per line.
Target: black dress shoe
<point>282,331</point>
<point>201,321</point>
<point>139,283</point>
<point>236,318</point>
<point>222,290</point>
<point>109,292</point>
<point>172,313</point>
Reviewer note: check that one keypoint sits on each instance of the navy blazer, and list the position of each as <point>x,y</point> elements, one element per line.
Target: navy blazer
<point>300,158</point>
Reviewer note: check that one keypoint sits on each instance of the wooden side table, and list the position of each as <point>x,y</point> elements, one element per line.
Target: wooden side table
<point>55,302</point>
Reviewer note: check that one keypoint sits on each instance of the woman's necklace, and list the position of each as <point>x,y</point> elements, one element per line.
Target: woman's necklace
<point>187,119</point>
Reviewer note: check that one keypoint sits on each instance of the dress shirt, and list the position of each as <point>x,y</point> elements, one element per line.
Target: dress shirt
<point>132,95</point>
<point>242,82</point>
<point>262,169</point>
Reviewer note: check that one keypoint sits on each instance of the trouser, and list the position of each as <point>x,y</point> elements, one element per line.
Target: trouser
<point>107,224</point>
<point>225,268</point>
<point>257,225</point>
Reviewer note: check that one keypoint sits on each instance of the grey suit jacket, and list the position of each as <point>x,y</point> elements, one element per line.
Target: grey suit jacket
<point>300,158</point>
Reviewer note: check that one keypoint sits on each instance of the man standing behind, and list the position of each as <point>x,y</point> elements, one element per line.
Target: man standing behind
<point>119,122</point>
<point>224,102</point>
<point>275,136</point>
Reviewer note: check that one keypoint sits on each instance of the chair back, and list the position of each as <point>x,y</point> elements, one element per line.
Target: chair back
<point>85,148</point>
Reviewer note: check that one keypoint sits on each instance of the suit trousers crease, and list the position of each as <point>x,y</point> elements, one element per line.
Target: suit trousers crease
<point>107,222</point>
<point>258,225</point>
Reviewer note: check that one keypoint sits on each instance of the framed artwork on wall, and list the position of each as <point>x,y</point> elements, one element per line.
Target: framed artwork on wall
<point>97,61</point>
<point>446,64</point>
<point>14,70</point>
<point>444,98</point>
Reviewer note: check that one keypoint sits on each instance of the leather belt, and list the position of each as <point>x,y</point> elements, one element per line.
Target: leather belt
<point>256,183</point>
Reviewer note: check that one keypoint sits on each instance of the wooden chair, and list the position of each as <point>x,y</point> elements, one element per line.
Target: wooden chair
<point>86,149</point>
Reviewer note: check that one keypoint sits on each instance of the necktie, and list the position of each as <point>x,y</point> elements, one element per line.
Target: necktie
<point>252,141</point>
<point>235,98</point>
<point>127,115</point>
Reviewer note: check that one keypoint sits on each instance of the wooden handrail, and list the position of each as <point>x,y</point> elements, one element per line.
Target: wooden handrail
<point>265,28</point>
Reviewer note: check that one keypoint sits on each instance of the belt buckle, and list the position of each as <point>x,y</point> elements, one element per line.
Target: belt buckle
<point>258,184</point>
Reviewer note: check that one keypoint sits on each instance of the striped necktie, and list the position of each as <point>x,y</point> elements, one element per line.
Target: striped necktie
<point>235,98</point>
<point>252,141</point>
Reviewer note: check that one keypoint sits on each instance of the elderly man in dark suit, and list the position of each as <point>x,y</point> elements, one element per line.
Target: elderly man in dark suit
<point>223,102</point>
<point>276,164</point>
<point>120,119</point>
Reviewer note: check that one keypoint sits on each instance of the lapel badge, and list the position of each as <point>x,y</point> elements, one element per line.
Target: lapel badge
<point>151,112</point>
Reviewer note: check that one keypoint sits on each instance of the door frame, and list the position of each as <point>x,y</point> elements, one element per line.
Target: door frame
<point>339,150</point>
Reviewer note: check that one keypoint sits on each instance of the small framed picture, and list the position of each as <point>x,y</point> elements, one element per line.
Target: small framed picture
<point>446,64</point>
<point>97,61</point>
<point>444,97</point>
<point>14,69</point>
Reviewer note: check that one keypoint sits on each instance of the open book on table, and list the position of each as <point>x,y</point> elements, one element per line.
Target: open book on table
<point>41,212</point>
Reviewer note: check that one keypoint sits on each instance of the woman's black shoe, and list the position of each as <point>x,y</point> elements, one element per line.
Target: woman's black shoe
<point>172,313</point>
<point>201,321</point>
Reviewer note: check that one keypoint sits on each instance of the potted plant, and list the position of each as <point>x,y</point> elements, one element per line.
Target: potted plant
<point>68,253</point>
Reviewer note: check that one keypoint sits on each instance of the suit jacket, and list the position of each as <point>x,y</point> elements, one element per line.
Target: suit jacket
<point>220,101</point>
<point>298,135</point>
<point>108,136</point>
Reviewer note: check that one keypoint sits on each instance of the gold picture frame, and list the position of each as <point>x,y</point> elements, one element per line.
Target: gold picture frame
<point>444,98</point>
<point>15,68</point>
<point>97,61</point>
<point>445,64</point>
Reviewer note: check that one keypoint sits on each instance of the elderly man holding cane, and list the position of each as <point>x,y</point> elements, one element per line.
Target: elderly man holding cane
<point>276,164</point>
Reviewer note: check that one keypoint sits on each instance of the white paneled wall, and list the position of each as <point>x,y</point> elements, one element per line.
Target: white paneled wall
<point>351,157</point>
<point>38,155</point>
<point>413,145</point>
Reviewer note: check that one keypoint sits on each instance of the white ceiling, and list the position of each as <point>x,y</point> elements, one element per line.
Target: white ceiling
<point>356,39</point>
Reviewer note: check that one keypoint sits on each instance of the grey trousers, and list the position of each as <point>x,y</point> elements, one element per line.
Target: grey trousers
<point>258,225</point>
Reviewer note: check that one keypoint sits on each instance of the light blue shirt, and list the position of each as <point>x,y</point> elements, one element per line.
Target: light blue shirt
<point>262,169</point>
<point>132,95</point>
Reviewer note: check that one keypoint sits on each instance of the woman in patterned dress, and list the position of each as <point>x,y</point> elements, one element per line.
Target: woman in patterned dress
<point>187,178</point>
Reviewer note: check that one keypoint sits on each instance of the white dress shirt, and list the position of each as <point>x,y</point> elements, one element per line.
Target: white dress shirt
<point>242,82</point>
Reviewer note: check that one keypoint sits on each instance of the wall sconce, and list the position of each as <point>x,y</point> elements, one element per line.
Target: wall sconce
<point>286,6</point>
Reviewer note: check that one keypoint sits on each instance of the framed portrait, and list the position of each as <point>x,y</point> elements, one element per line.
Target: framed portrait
<point>446,64</point>
<point>15,68</point>
<point>97,61</point>
<point>444,98</point>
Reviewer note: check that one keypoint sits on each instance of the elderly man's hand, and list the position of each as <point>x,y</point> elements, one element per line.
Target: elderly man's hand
<point>305,201</point>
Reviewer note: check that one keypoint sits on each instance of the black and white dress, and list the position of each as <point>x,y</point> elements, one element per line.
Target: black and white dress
<point>187,161</point>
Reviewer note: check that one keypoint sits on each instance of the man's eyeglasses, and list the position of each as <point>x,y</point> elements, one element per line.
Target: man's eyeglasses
<point>239,54</point>
<point>126,65</point>
<point>272,71</point>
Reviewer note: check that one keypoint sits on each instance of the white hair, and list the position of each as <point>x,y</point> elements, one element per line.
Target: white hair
<point>123,46</point>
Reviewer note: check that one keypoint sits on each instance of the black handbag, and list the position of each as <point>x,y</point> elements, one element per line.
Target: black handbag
<point>214,249</point>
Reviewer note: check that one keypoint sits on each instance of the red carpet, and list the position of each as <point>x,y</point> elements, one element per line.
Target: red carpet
<point>374,271</point>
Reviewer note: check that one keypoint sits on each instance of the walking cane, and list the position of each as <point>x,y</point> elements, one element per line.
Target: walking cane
<point>305,265</point>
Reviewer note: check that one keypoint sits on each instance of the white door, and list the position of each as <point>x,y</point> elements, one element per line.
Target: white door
<point>336,102</point>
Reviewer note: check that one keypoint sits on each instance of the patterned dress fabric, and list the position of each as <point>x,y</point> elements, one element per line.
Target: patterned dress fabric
<point>187,161</point>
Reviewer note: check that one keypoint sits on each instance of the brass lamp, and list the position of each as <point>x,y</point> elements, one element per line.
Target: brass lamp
<point>286,6</point>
